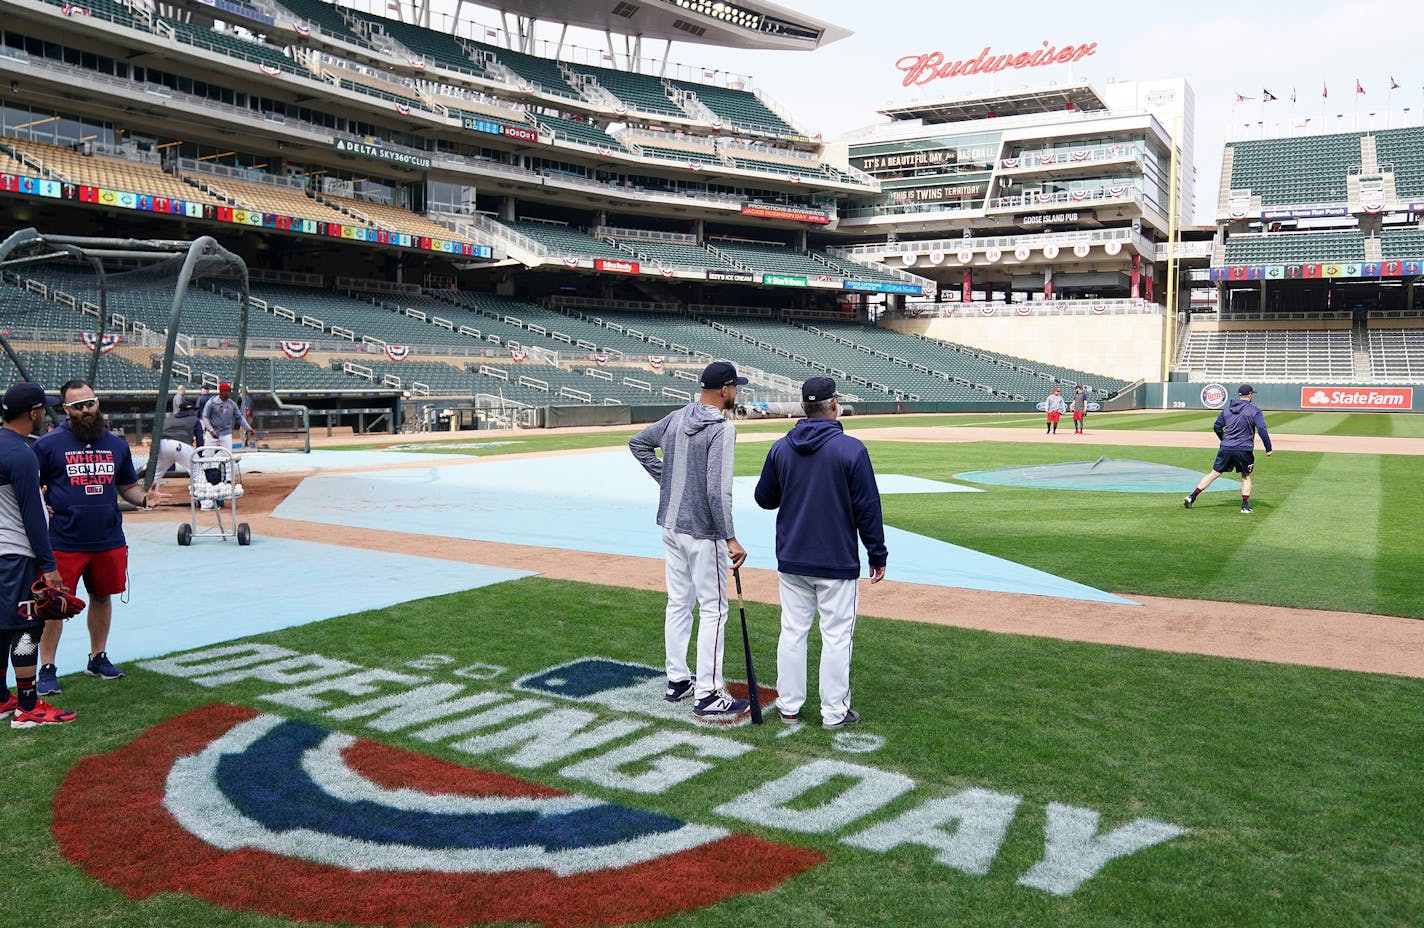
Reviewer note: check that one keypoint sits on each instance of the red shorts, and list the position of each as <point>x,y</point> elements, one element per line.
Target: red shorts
<point>105,572</point>
<point>1054,416</point>
<point>1078,415</point>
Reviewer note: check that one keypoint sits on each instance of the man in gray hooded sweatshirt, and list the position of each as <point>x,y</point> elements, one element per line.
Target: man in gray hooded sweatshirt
<point>695,511</point>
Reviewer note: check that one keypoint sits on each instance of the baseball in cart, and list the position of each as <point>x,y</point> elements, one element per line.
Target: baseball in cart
<point>215,477</point>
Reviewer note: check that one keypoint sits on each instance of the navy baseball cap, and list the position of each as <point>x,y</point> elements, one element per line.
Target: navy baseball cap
<point>818,390</point>
<point>27,396</point>
<point>1245,390</point>
<point>720,374</point>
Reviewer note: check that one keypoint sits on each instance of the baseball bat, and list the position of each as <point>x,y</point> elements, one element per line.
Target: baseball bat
<point>753,694</point>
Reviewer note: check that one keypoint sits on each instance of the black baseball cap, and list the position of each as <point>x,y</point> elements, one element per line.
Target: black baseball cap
<point>818,390</point>
<point>27,396</point>
<point>1245,390</point>
<point>720,374</point>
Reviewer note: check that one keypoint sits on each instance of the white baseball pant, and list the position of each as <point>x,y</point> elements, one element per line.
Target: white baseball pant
<point>696,570</point>
<point>169,453</point>
<point>223,440</point>
<point>837,601</point>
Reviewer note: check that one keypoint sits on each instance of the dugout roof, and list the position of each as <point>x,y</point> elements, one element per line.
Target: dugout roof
<point>1021,102</point>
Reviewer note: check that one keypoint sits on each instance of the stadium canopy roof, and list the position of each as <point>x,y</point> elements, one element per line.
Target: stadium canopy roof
<point>753,24</point>
<point>1006,103</point>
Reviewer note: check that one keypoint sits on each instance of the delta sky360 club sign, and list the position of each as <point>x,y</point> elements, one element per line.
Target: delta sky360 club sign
<point>254,810</point>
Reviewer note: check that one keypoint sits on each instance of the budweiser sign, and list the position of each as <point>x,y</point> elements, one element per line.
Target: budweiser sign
<point>932,66</point>
<point>1397,398</point>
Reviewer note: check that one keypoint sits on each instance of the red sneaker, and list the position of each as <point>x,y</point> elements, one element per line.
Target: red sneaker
<point>42,714</point>
<point>9,706</point>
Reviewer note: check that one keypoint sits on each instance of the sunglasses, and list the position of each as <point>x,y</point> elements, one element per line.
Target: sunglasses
<point>82,404</point>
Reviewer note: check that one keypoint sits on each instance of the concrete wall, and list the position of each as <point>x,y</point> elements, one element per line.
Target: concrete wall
<point>1126,347</point>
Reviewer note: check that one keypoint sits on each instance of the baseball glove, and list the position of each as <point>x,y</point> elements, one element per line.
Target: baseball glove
<point>51,603</point>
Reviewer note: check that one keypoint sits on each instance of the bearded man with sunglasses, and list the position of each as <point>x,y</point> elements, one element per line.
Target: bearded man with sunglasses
<point>85,469</point>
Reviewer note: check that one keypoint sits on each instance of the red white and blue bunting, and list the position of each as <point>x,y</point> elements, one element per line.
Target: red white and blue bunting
<point>110,341</point>
<point>518,356</point>
<point>397,352</point>
<point>656,360</point>
<point>600,359</point>
<point>295,350</point>
<point>269,70</point>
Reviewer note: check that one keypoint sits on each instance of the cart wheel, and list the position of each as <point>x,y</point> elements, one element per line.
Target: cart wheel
<point>185,534</point>
<point>244,534</point>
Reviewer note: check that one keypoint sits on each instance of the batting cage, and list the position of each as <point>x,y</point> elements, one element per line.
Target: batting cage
<point>143,275</point>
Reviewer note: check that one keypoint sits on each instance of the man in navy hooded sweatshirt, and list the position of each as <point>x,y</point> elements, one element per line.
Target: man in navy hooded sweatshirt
<point>822,482</point>
<point>1237,428</point>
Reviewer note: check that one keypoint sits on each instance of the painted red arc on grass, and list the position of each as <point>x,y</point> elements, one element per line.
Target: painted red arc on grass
<point>257,812</point>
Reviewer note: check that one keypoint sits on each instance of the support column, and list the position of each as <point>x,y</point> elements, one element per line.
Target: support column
<point>699,229</point>
<point>801,240</point>
<point>507,209</point>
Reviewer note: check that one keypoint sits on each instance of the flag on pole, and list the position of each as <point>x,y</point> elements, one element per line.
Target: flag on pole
<point>1292,94</point>
<point>1267,96</point>
<point>1359,88</point>
<point>1325,91</point>
<point>1242,98</point>
<point>1393,84</point>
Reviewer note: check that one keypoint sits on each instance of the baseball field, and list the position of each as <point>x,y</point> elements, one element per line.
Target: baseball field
<point>1237,745</point>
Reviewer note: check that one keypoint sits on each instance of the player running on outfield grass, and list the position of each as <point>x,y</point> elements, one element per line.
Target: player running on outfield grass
<point>1237,427</point>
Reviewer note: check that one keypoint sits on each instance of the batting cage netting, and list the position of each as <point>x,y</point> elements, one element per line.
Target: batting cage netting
<point>140,287</point>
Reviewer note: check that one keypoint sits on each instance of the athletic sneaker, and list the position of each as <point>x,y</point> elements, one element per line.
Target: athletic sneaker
<point>100,666</point>
<point>1246,508</point>
<point>677,692</point>
<point>1187,501</point>
<point>47,681</point>
<point>42,714</point>
<point>793,718</point>
<point>719,702</point>
<point>9,706</point>
<point>850,718</point>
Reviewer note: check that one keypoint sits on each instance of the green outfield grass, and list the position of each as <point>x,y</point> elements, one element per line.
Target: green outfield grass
<point>1402,425</point>
<point>1329,531</point>
<point>1297,785</point>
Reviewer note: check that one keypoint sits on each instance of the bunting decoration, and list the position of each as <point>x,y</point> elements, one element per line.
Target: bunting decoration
<point>107,344</point>
<point>295,350</point>
<point>397,352</point>
<point>518,355</point>
<point>656,360</point>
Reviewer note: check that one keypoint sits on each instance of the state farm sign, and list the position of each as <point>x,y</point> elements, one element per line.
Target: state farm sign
<point>932,66</point>
<point>1397,398</point>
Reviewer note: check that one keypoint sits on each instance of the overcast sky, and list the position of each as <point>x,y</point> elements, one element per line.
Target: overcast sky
<point>1221,48</point>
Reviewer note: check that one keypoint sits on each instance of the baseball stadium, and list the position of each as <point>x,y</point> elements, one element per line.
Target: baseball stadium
<point>393,660</point>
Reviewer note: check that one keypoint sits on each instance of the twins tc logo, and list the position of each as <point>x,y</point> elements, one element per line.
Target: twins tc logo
<point>259,812</point>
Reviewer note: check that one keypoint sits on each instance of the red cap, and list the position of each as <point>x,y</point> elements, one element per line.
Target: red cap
<point>224,386</point>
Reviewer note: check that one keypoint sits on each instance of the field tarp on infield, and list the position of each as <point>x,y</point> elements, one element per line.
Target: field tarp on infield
<point>216,591</point>
<point>603,502</point>
<point>1106,475</point>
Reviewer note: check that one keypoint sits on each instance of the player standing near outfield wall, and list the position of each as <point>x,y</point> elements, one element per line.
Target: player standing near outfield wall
<point>1080,409</point>
<point>695,511</point>
<point>1054,407</point>
<point>822,482</point>
<point>1237,427</point>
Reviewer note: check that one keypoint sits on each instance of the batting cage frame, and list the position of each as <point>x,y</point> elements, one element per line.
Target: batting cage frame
<point>202,256</point>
